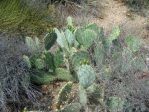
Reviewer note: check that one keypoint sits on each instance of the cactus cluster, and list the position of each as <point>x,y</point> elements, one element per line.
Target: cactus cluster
<point>74,44</point>
<point>43,64</point>
<point>43,61</point>
<point>73,60</point>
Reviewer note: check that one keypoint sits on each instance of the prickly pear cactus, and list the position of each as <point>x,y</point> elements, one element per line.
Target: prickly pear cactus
<point>107,42</point>
<point>114,35</point>
<point>94,27</point>
<point>133,43</point>
<point>33,60</point>
<point>63,74</point>
<point>83,96</point>
<point>39,63</point>
<point>70,24</point>
<point>86,75</point>
<point>49,60</point>
<point>80,58</point>
<point>69,21</point>
<point>61,39</point>
<point>41,78</point>
<point>115,104</point>
<point>70,37</point>
<point>63,94</point>
<point>43,61</point>
<point>73,107</point>
<point>58,58</point>
<point>85,37</point>
<point>49,40</point>
<point>99,54</point>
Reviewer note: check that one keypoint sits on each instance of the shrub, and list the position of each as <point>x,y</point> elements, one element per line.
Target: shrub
<point>15,86</point>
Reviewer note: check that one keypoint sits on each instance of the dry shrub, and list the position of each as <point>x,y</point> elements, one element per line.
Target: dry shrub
<point>16,90</point>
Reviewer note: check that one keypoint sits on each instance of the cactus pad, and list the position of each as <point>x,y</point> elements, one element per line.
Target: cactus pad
<point>86,75</point>
<point>85,37</point>
<point>80,58</point>
<point>49,40</point>
<point>63,94</point>
<point>73,107</point>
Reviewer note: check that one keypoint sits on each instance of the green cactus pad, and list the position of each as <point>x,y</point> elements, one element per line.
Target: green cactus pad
<point>39,63</point>
<point>86,75</point>
<point>63,94</point>
<point>82,96</point>
<point>85,37</point>
<point>42,78</point>
<point>63,74</point>
<point>58,58</point>
<point>70,37</point>
<point>49,40</point>
<point>80,58</point>
<point>114,35</point>
<point>49,60</point>
<point>61,39</point>
<point>70,25</point>
<point>73,107</point>
<point>133,43</point>
<point>93,27</point>
<point>43,61</point>
<point>69,21</point>
<point>99,54</point>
